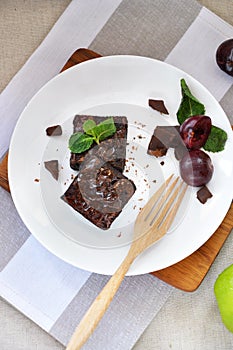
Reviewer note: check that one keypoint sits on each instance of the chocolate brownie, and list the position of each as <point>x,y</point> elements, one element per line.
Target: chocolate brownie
<point>99,191</point>
<point>116,142</point>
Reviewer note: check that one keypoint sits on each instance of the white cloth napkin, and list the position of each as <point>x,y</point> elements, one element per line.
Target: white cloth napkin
<point>49,291</point>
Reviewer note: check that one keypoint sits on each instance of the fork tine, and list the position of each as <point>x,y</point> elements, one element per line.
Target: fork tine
<point>167,204</point>
<point>156,208</point>
<point>142,216</point>
<point>172,213</point>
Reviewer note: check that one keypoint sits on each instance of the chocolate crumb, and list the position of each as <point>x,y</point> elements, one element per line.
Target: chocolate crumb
<point>52,167</point>
<point>162,163</point>
<point>37,180</point>
<point>158,105</point>
<point>54,130</point>
<point>204,194</point>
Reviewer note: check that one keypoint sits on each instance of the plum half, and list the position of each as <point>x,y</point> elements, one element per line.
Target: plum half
<point>195,131</point>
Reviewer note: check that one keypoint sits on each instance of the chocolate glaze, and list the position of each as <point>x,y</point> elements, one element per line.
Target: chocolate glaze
<point>99,192</point>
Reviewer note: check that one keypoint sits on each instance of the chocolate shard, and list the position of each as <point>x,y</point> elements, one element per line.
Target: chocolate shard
<point>116,142</point>
<point>52,167</point>
<point>204,194</point>
<point>156,147</point>
<point>99,192</point>
<point>163,138</point>
<point>180,151</point>
<point>54,130</point>
<point>158,105</point>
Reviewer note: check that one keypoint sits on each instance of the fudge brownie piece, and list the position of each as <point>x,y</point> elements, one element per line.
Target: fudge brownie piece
<point>54,130</point>
<point>117,142</point>
<point>204,194</point>
<point>158,105</point>
<point>99,191</point>
<point>163,138</point>
<point>52,167</point>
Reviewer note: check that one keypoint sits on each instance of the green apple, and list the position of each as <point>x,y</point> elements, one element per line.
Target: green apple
<point>223,290</point>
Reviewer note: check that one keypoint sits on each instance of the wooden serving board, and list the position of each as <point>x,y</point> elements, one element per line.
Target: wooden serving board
<point>188,274</point>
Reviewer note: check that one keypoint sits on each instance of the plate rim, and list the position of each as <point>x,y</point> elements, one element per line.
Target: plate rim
<point>69,71</point>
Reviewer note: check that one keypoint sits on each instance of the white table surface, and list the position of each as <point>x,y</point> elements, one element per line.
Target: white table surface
<point>188,320</point>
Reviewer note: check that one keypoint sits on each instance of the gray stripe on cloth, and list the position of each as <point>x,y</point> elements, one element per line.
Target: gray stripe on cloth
<point>155,36</point>
<point>134,306</point>
<point>13,232</point>
<point>227,105</point>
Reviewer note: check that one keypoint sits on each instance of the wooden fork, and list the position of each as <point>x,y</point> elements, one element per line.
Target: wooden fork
<point>151,224</point>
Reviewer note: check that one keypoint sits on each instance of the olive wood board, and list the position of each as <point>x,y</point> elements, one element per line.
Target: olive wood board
<point>187,274</point>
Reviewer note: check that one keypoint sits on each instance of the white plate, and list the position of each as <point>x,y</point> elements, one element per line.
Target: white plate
<point>115,85</point>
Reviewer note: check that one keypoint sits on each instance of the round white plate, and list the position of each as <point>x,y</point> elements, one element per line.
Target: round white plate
<point>114,85</point>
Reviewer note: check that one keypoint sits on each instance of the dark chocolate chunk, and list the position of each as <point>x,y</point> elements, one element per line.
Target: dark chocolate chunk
<point>158,105</point>
<point>180,151</point>
<point>116,142</point>
<point>54,130</point>
<point>99,192</point>
<point>163,138</point>
<point>52,167</point>
<point>204,194</point>
<point>156,147</point>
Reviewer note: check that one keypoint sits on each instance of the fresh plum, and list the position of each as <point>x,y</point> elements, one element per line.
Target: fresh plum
<point>224,56</point>
<point>196,168</point>
<point>195,130</point>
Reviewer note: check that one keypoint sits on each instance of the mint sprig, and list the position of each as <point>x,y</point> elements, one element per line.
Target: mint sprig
<point>216,140</point>
<point>80,142</point>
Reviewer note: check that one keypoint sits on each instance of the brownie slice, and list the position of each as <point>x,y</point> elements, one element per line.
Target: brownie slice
<point>116,142</point>
<point>99,192</point>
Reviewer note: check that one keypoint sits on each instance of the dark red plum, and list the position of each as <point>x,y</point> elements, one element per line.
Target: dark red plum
<point>224,56</point>
<point>196,168</point>
<point>195,131</point>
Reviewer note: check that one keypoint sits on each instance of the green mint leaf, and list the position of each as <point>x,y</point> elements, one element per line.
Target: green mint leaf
<point>216,140</point>
<point>104,129</point>
<point>80,142</point>
<point>189,104</point>
<point>88,127</point>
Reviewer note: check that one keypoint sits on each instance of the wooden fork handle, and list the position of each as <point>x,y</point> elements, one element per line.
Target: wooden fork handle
<point>97,309</point>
